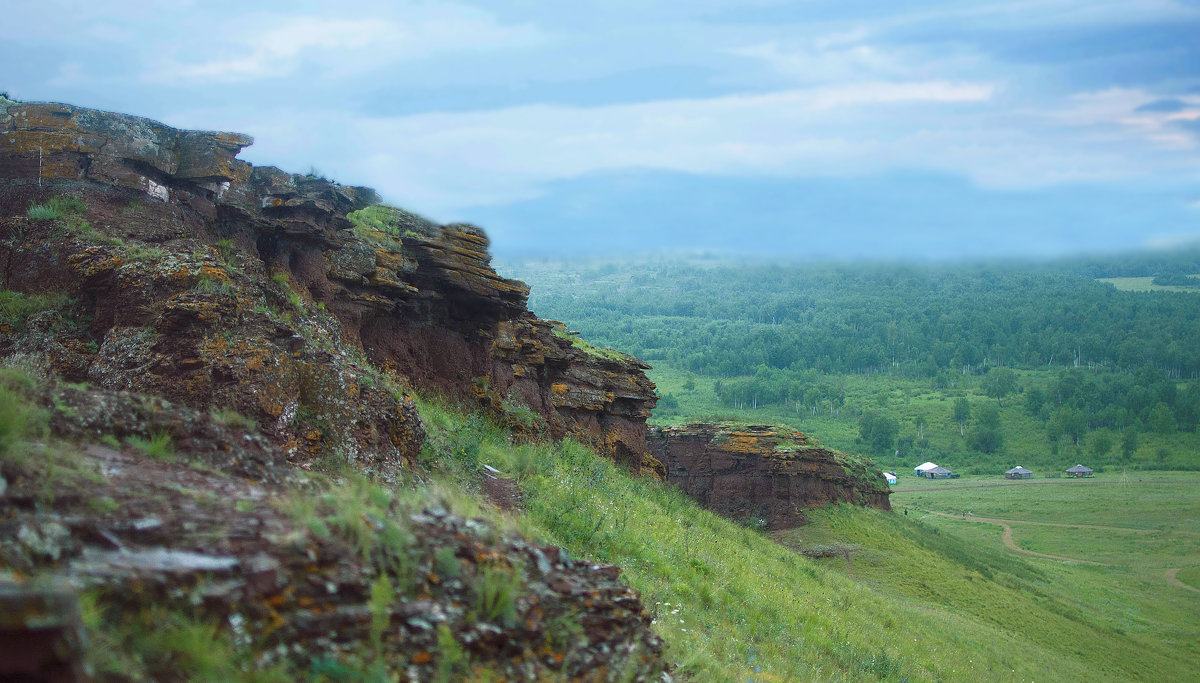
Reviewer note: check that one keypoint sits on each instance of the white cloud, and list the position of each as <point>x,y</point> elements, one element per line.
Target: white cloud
<point>279,46</point>
<point>1172,241</point>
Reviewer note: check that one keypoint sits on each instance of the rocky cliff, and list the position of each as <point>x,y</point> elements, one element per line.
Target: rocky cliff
<point>210,282</point>
<point>761,474</point>
<point>185,335</point>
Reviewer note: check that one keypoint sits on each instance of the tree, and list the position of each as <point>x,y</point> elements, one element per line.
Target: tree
<point>1034,400</point>
<point>1101,443</point>
<point>999,383</point>
<point>1067,421</point>
<point>1129,444</point>
<point>877,431</point>
<point>962,413</point>
<point>988,437</point>
<point>1161,456</point>
<point>1162,420</point>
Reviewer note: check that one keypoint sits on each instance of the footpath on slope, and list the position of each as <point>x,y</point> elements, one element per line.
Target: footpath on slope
<point>1171,575</point>
<point>1008,535</point>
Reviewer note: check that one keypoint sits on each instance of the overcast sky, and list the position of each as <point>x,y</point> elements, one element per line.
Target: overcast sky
<point>825,128</point>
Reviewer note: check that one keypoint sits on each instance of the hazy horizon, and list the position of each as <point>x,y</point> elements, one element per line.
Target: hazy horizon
<point>934,131</point>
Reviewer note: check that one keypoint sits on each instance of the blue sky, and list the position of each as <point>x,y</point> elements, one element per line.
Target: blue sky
<point>820,128</point>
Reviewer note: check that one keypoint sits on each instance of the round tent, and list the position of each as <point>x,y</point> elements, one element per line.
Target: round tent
<point>923,468</point>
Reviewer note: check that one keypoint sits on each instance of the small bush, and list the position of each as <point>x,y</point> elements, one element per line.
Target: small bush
<point>141,253</point>
<point>158,445</point>
<point>496,596</point>
<point>227,251</point>
<point>18,307</point>
<point>230,417</point>
<point>56,207</point>
<point>42,212</point>
<point>208,285</point>
<point>14,417</point>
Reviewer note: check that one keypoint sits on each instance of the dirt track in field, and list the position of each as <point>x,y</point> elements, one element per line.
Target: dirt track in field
<point>1008,534</point>
<point>1171,576</point>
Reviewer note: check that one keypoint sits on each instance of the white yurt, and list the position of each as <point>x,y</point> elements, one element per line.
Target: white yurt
<point>923,468</point>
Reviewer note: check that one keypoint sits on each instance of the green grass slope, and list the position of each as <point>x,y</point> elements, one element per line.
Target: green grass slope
<point>920,602</point>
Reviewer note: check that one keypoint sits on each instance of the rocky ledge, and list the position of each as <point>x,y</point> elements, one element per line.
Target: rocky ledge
<point>308,569</point>
<point>196,334</point>
<point>199,278</point>
<point>761,474</point>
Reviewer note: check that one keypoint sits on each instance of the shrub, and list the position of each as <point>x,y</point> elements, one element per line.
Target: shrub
<point>230,417</point>
<point>496,595</point>
<point>208,285</point>
<point>158,445</point>
<point>227,251</point>
<point>16,308</point>
<point>56,207</point>
<point>43,212</point>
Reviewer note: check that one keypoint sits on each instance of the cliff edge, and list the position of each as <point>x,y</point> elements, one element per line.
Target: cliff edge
<point>202,360</point>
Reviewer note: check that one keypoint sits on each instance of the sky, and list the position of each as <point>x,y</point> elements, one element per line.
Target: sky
<point>814,129</point>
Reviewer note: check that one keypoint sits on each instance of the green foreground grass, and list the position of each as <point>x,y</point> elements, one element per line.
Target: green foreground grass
<point>921,601</point>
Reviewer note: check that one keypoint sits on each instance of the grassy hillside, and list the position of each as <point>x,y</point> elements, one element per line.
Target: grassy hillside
<point>905,598</point>
<point>924,598</point>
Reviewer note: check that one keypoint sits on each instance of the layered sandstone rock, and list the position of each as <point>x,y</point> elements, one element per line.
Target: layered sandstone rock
<point>255,323</point>
<point>762,474</point>
<point>214,283</point>
<point>222,533</point>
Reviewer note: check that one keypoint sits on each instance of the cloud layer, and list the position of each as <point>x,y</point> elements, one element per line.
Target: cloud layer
<point>481,110</point>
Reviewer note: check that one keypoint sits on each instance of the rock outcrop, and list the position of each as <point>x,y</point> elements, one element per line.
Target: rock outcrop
<point>761,474</point>
<point>213,283</point>
<point>239,325</point>
<point>218,531</point>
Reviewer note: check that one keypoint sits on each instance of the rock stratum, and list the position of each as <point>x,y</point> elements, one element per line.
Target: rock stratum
<point>211,282</point>
<point>761,474</point>
<point>259,324</point>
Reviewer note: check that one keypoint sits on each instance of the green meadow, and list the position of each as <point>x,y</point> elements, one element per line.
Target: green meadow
<point>1143,284</point>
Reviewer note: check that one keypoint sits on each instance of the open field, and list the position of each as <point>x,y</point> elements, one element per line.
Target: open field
<point>1144,284</point>
<point>1147,501</point>
<point>1129,594</point>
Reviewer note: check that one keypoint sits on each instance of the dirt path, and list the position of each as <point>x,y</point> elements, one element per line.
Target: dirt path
<point>1170,576</point>
<point>1069,481</point>
<point>1008,534</point>
<point>1100,527</point>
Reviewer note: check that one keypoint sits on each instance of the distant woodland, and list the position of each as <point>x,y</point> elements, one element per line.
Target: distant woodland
<point>1029,357</point>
